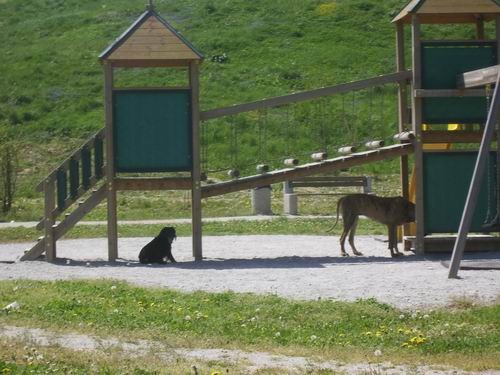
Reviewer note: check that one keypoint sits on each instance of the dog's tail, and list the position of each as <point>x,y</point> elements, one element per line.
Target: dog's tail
<point>339,203</point>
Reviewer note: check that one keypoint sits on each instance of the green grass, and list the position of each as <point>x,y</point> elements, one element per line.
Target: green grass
<point>264,322</point>
<point>51,87</point>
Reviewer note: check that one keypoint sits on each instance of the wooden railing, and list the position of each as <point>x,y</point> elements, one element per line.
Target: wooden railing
<point>63,187</point>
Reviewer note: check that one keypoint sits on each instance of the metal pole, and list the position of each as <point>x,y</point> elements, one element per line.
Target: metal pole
<point>477,178</point>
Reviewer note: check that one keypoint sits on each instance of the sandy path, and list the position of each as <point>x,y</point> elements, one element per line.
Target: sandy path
<point>300,267</point>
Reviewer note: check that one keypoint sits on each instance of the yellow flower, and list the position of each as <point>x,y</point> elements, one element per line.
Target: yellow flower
<point>215,373</point>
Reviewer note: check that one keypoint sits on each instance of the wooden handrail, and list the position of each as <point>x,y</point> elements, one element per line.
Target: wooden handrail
<point>307,95</point>
<point>75,156</point>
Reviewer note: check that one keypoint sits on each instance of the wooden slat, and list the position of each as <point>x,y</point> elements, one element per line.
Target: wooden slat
<point>35,252</point>
<point>478,78</point>
<point>137,48</point>
<point>436,136</point>
<point>149,63</point>
<point>307,170</point>
<point>131,184</point>
<point>307,95</point>
<point>71,220</point>
<point>426,93</point>
<point>127,55</point>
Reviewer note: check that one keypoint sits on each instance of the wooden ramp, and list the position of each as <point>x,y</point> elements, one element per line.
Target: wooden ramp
<point>329,165</point>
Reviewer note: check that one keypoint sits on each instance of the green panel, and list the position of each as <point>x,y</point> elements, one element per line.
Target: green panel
<point>98,157</point>
<point>441,63</point>
<point>152,130</point>
<point>62,189</point>
<point>74,178</point>
<point>447,177</point>
<point>86,167</point>
<point>454,110</point>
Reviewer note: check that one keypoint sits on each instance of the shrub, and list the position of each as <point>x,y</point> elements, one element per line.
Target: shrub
<point>8,172</point>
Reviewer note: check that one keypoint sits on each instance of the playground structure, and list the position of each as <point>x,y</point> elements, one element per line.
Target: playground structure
<point>158,130</point>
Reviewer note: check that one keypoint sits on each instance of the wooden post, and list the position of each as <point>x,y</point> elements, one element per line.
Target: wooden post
<point>110,167</point>
<point>50,204</point>
<point>417,129</point>
<point>480,28</point>
<point>402,103</point>
<point>196,170</point>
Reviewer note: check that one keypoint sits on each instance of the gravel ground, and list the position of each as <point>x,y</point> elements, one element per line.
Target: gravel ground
<point>299,267</point>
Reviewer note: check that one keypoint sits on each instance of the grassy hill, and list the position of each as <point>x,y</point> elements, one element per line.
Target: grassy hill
<point>51,80</point>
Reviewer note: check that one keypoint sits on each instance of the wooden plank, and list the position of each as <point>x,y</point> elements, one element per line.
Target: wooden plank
<point>196,207</point>
<point>330,165</point>
<point>480,35</point>
<point>437,136</point>
<point>132,183</point>
<point>458,6</point>
<point>306,95</point>
<point>35,252</point>
<point>50,205</point>
<point>402,112</point>
<point>110,164</point>
<point>478,78</point>
<point>138,48</point>
<point>71,220</point>
<point>149,63</point>
<point>126,55</point>
<point>328,184</point>
<point>426,93</point>
<point>150,40</point>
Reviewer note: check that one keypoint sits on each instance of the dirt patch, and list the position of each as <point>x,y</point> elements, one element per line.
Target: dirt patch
<point>255,360</point>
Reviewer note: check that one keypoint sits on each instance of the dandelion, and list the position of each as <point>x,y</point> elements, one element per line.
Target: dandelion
<point>257,309</point>
<point>401,317</point>
<point>313,337</point>
<point>277,334</point>
<point>426,316</point>
<point>187,318</point>
<point>377,353</point>
<point>113,287</point>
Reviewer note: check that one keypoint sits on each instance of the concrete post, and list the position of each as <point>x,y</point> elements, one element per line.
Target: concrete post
<point>261,200</point>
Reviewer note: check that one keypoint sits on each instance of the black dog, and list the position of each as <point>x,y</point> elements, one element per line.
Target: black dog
<point>159,248</point>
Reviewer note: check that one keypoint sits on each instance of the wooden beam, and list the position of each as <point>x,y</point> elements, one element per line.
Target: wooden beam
<point>417,130</point>
<point>163,183</point>
<point>307,95</point>
<point>110,164</point>
<point>475,185</point>
<point>437,136</point>
<point>50,204</point>
<point>330,165</point>
<point>196,214</point>
<point>402,109</point>
<point>478,78</point>
<point>422,93</point>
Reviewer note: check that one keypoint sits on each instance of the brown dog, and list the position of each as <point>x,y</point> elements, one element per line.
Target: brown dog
<point>391,211</point>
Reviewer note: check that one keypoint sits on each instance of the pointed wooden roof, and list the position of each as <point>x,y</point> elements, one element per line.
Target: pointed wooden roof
<point>449,11</point>
<point>151,41</point>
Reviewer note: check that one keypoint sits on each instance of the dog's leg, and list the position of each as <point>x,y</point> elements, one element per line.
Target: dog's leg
<point>169,254</point>
<point>351,237</point>
<point>348,221</point>
<point>393,240</point>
